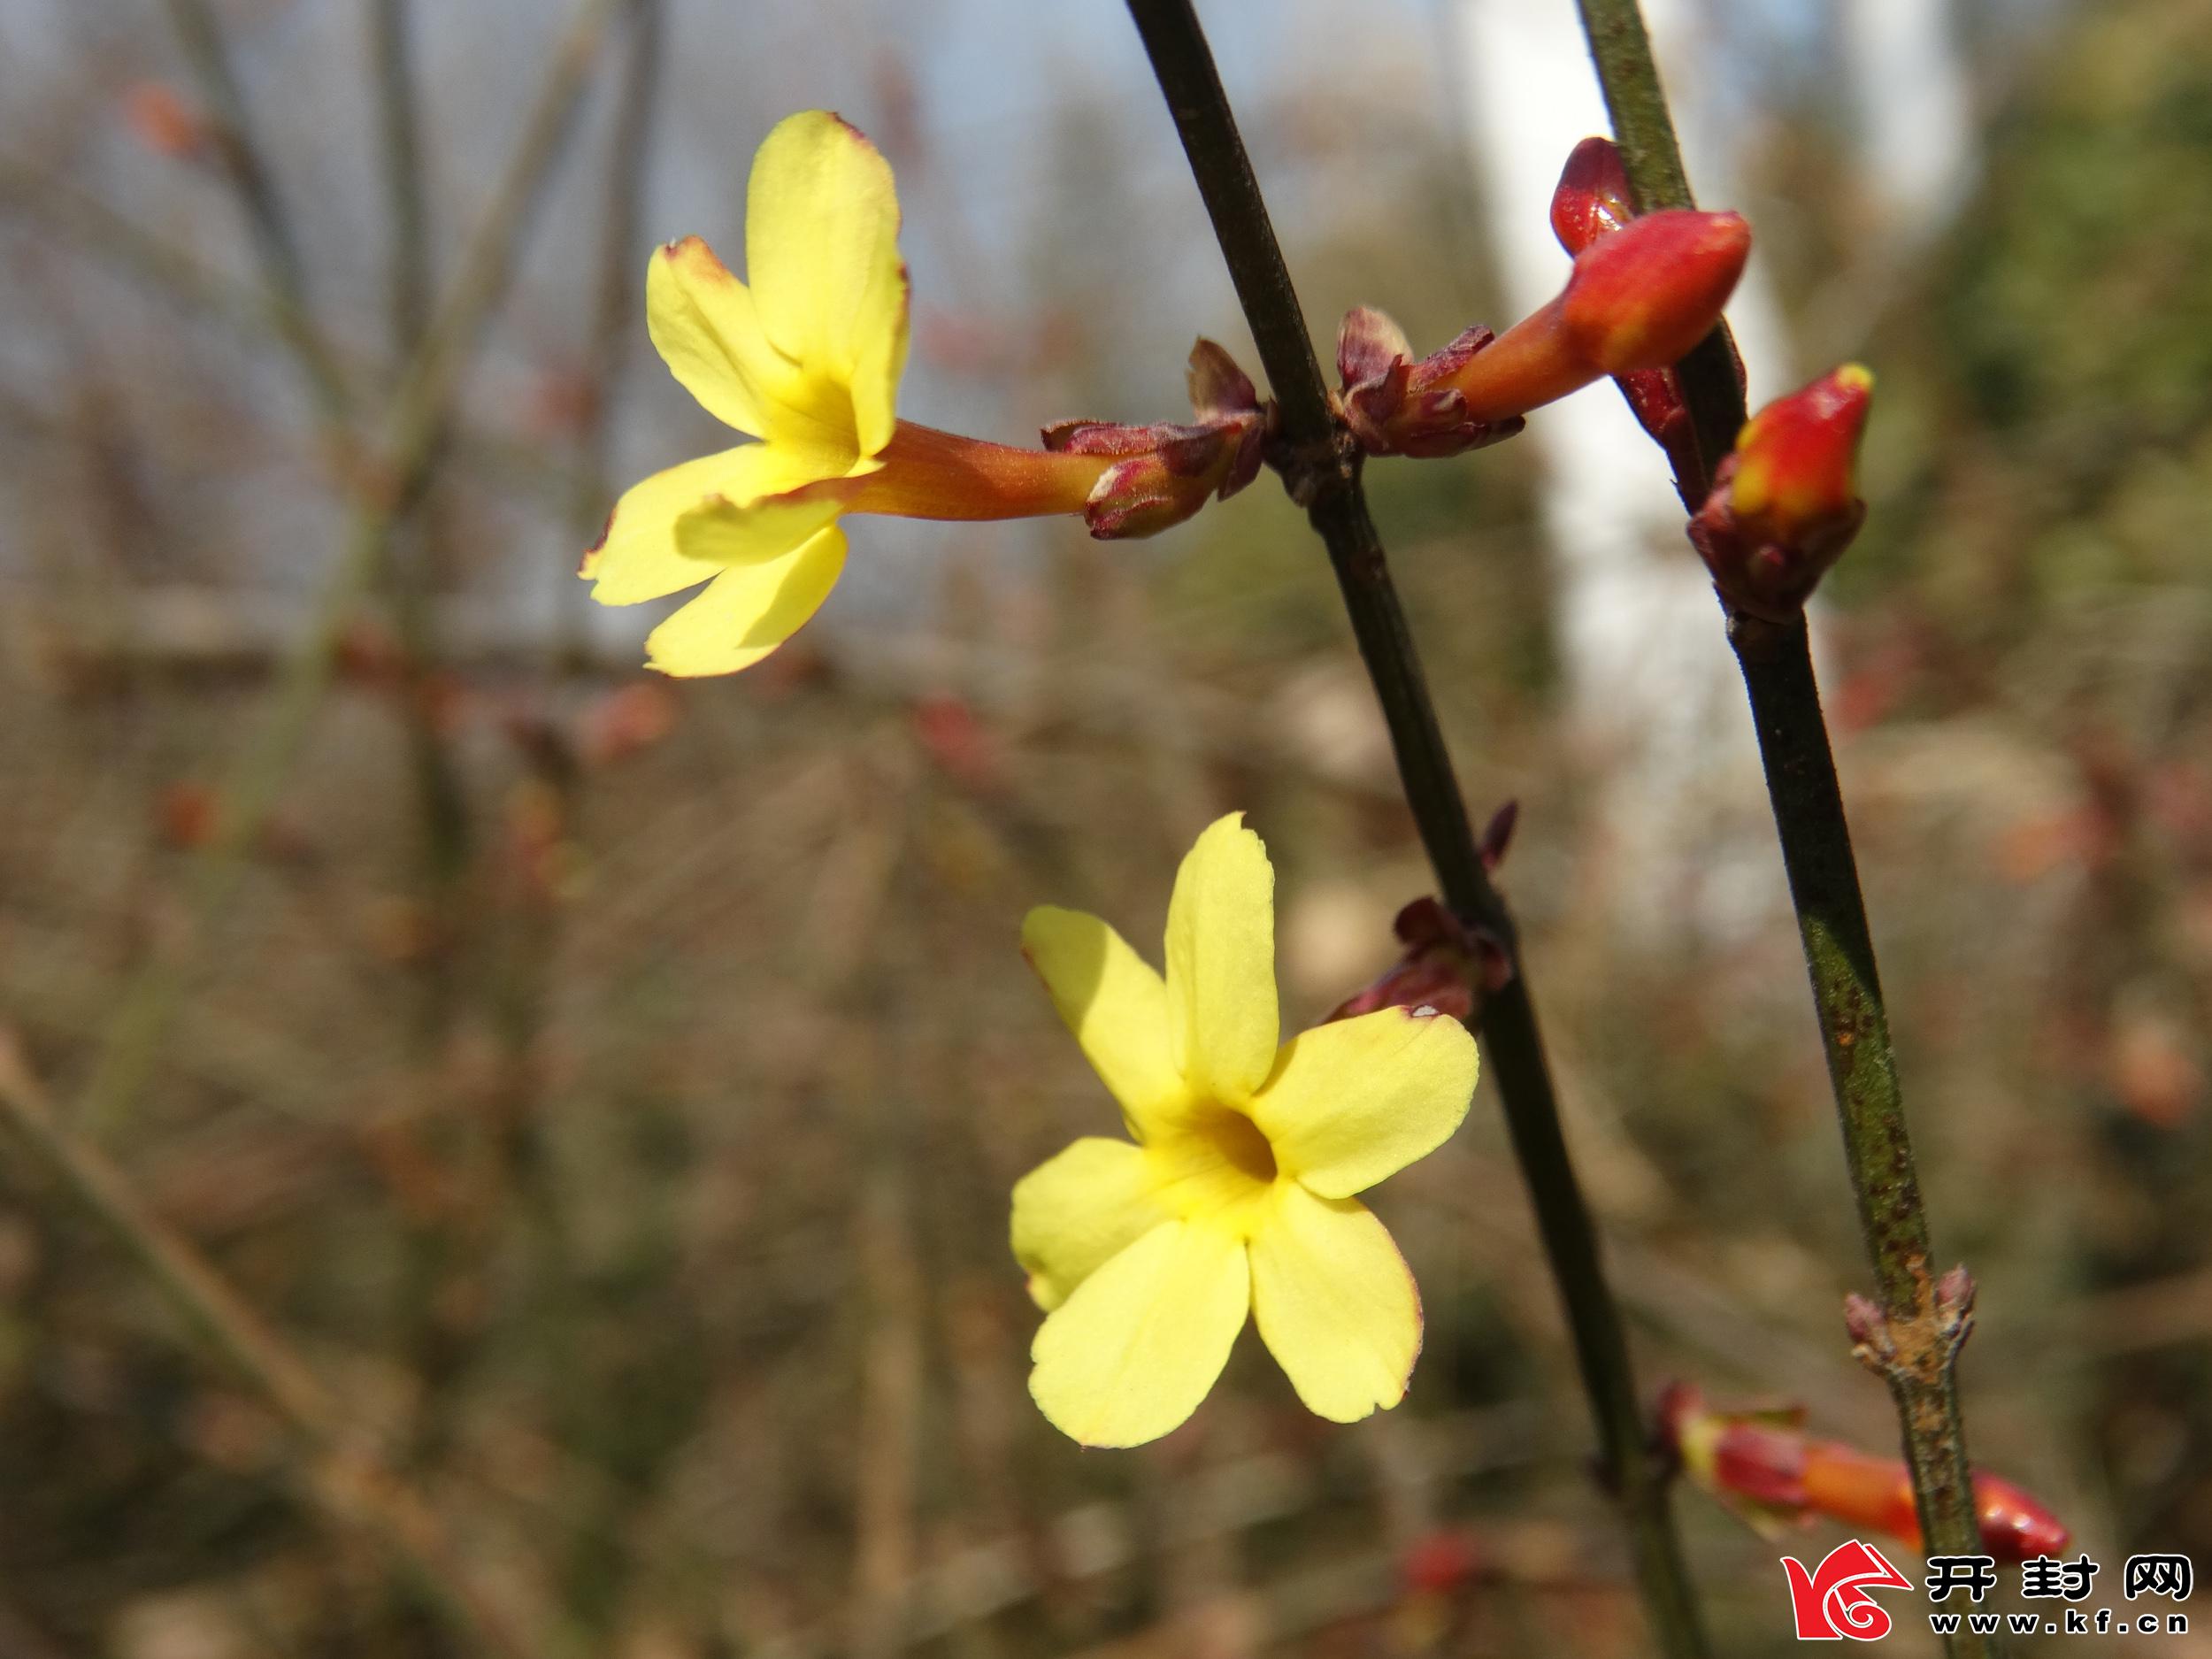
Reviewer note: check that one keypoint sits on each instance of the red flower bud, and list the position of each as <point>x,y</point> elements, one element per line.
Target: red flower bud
<point>1643,296</point>
<point>1638,298</point>
<point>1591,198</point>
<point>1763,1465</point>
<point>1591,201</point>
<point>1784,502</point>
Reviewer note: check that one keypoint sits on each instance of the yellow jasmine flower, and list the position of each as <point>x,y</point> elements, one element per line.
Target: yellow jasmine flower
<point>1236,1194</point>
<point>806,358</point>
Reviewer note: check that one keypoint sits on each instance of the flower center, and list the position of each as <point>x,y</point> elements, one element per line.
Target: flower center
<point>1240,1142</point>
<point>1215,1164</point>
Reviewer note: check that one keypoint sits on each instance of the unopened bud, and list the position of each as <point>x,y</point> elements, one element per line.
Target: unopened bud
<point>1643,296</point>
<point>1591,201</point>
<point>1591,198</point>
<point>1784,503</point>
<point>1764,1466</point>
<point>1638,298</point>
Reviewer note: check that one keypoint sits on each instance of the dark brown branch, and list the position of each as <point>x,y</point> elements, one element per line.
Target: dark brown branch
<point>1322,470</point>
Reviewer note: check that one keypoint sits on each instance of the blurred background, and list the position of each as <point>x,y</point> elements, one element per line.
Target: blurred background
<point>602,1094</point>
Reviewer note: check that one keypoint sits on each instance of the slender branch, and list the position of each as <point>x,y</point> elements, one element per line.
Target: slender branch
<point>99,231</point>
<point>399,129</point>
<point>614,309</point>
<point>415,429</point>
<point>412,566</point>
<point>1915,1343</point>
<point>341,1478</point>
<point>1323,472</point>
<point>274,239</point>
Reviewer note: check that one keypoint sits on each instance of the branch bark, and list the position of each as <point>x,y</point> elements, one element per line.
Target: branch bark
<point>1322,470</point>
<point>1913,1339</point>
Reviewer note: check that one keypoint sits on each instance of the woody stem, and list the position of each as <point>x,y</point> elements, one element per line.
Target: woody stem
<point>1920,1344</point>
<point>1322,469</point>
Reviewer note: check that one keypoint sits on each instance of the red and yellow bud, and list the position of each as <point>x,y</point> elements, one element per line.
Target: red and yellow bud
<point>1591,201</point>
<point>1763,1465</point>
<point>1784,503</point>
<point>1639,296</point>
<point>1643,296</point>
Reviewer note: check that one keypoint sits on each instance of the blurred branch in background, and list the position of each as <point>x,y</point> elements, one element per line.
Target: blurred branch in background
<point>1322,474</point>
<point>245,162</point>
<point>390,483</point>
<point>615,303</point>
<point>340,1475</point>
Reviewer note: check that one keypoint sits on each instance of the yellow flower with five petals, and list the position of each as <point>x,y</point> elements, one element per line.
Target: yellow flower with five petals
<point>806,358</point>
<point>1236,1194</point>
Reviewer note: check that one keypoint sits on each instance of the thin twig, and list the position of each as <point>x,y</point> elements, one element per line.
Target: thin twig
<point>414,431</point>
<point>614,309</point>
<point>1323,471</point>
<point>399,130</point>
<point>412,566</point>
<point>246,307</point>
<point>243,158</point>
<point>341,1478</point>
<point>1913,1343</point>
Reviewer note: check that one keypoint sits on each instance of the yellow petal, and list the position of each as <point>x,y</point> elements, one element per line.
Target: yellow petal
<point>1360,1099</point>
<point>1077,1211</point>
<point>1335,1303</point>
<point>722,530</point>
<point>748,611</point>
<point>1130,1354</point>
<point>1115,1004</point>
<point>638,558</point>
<point>1221,962</point>
<point>706,326</point>
<point>821,247</point>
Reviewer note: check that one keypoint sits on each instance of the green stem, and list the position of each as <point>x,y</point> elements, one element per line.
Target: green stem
<point>1916,1343</point>
<point>1323,472</point>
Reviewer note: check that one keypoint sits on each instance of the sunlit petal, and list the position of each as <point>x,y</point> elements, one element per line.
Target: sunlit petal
<point>725,530</point>
<point>1077,1211</point>
<point>1130,1354</point>
<point>821,247</point>
<point>1221,962</point>
<point>706,326</point>
<point>1335,1303</point>
<point>1357,1100</point>
<point>639,557</point>
<point>748,611</point>
<point>1116,1005</point>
